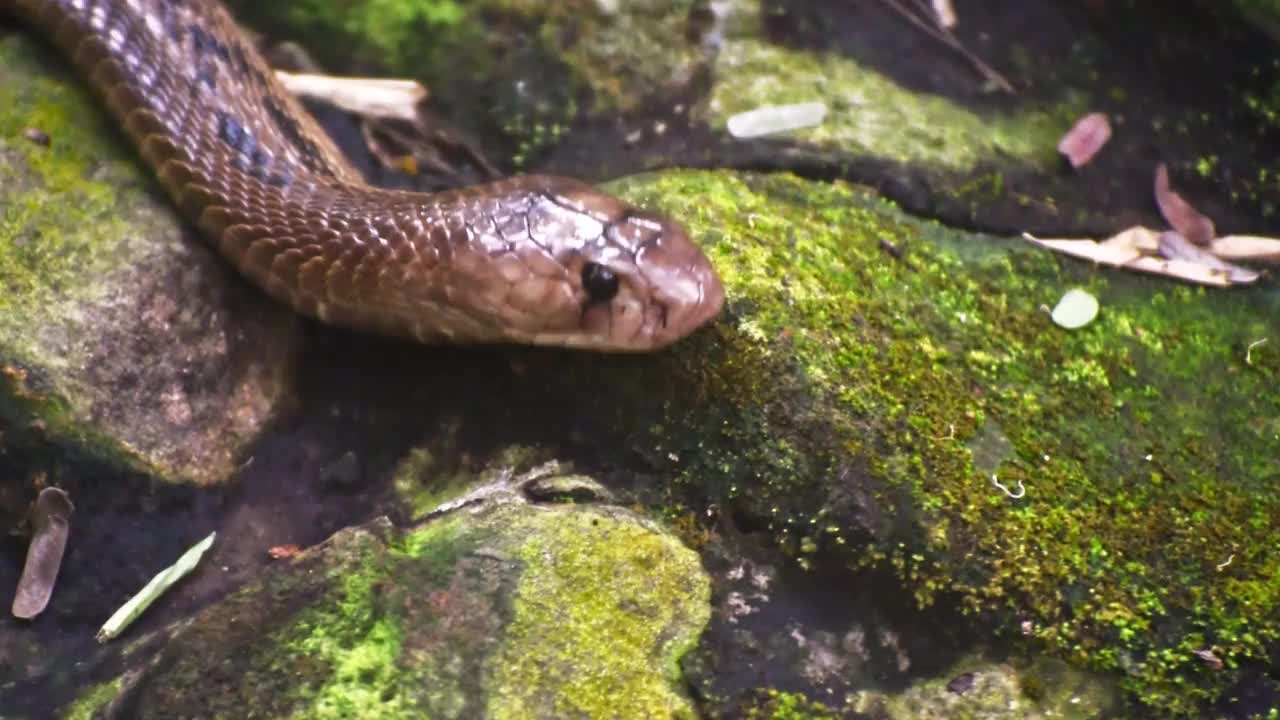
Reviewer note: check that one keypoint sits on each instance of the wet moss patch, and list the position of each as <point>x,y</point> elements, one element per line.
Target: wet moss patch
<point>1145,442</point>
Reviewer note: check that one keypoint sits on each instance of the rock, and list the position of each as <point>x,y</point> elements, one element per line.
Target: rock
<point>505,610</point>
<point>1039,690</point>
<point>123,339</point>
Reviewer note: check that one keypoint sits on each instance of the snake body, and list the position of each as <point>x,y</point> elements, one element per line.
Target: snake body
<point>530,259</point>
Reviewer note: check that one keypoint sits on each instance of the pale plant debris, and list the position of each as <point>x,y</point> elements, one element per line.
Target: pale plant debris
<point>1174,246</point>
<point>1181,216</point>
<point>1209,657</point>
<point>1255,248</point>
<point>1248,352</point>
<point>1137,248</point>
<point>1076,309</point>
<point>1085,138</point>
<point>366,97</point>
<point>944,13</point>
<point>1021,493</point>
<point>924,18</point>
<point>37,136</point>
<point>393,122</point>
<point>158,586</point>
<point>50,526</point>
<point>776,119</point>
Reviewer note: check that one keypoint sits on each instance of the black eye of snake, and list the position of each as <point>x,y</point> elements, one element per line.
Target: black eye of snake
<point>600,282</point>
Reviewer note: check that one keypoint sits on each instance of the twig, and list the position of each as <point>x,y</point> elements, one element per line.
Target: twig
<point>1022,489</point>
<point>1248,353</point>
<point>946,38</point>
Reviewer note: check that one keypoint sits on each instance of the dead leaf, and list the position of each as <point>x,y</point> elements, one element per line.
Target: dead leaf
<point>279,552</point>
<point>49,518</point>
<point>1247,247</point>
<point>1175,247</point>
<point>1134,249</point>
<point>1209,658</point>
<point>1181,216</point>
<point>1085,139</point>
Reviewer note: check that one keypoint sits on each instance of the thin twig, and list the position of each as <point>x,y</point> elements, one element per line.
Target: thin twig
<point>1248,353</point>
<point>1022,489</point>
<point>946,38</point>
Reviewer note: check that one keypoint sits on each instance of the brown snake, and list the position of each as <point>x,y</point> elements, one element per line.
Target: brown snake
<point>531,259</point>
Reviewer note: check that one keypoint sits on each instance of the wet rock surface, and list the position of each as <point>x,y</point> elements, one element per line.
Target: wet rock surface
<point>124,341</point>
<point>499,609</point>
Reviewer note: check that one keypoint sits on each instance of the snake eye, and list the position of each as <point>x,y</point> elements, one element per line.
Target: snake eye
<point>600,282</point>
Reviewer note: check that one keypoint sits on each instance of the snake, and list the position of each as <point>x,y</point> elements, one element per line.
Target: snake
<point>527,259</point>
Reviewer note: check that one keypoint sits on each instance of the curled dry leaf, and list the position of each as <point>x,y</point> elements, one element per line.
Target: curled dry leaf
<point>1175,247</point>
<point>49,529</point>
<point>1186,220</point>
<point>1209,658</point>
<point>1134,249</point>
<point>1247,247</point>
<point>280,552</point>
<point>1085,139</point>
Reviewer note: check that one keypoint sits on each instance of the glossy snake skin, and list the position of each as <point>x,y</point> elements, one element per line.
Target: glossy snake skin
<point>531,259</point>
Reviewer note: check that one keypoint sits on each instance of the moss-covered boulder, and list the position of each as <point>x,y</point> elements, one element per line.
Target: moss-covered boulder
<point>501,610</point>
<point>122,338</point>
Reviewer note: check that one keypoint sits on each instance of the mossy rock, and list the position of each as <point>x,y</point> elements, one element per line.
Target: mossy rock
<point>506,611</point>
<point>123,340</point>
<point>874,372</point>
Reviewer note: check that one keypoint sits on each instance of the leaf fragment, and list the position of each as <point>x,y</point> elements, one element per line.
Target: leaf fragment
<point>1181,216</point>
<point>158,586</point>
<point>1089,134</point>
<point>50,523</point>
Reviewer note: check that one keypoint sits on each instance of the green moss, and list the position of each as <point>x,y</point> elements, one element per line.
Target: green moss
<point>91,701</point>
<point>64,225</point>
<point>59,199</point>
<point>353,640</point>
<point>870,114</point>
<point>777,705</point>
<point>453,616</point>
<point>434,473</point>
<point>361,648</point>
<point>1145,442</point>
<point>599,593</point>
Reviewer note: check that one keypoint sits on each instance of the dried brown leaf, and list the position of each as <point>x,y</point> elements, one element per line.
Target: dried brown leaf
<point>1085,139</point>
<point>49,519</point>
<point>1181,216</point>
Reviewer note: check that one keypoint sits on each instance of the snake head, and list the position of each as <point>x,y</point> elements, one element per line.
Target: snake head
<point>544,260</point>
<point>633,280</point>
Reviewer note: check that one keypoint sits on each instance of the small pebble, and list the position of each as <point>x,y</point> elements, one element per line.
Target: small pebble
<point>341,473</point>
<point>37,136</point>
<point>961,683</point>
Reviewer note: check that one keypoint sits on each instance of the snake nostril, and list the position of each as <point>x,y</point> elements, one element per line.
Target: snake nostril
<point>600,282</point>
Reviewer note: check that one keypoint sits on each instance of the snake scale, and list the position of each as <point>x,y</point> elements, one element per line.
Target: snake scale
<point>531,259</point>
